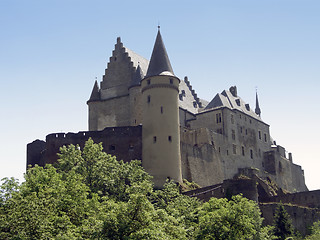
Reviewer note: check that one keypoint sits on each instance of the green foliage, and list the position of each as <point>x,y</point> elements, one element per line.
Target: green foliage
<point>188,186</point>
<point>8,188</point>
<point>102,173</point>
<point>182,208</point>
<point>315,232</point>
<point>238,218</point>
<point>91,195</point>
<point>282,223</point>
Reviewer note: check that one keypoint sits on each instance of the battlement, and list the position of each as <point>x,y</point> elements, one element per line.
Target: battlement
<point>123,142</point>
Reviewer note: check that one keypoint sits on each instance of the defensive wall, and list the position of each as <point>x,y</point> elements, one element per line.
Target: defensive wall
<point>302,217</point>
<point>303,208</point>
<point>123,142</point>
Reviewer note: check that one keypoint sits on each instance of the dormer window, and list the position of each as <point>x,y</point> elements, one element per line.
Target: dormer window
<point>194,104</point>
<point>238,101</point>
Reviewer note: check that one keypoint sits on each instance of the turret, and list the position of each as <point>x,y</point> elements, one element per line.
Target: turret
<point>95,97</point>
<point>257,110</point>
<point>135,98</point>
<point>160,126</point>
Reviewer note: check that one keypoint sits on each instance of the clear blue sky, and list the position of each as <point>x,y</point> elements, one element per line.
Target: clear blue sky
<point>51,52</point>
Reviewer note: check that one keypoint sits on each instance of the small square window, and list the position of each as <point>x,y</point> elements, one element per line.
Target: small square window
<point>112,147</point>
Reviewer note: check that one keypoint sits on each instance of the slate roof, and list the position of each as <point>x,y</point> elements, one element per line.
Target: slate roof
<point>227,99</point>
<point>138,60</point>
<point>159,62</point>
<point>138,76</point>
<point>95,94</point>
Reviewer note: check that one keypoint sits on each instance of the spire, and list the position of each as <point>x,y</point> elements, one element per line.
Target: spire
<point>95,94</point>
<point>138,76</point>
<point>159,62</point>
<point>257,110</point>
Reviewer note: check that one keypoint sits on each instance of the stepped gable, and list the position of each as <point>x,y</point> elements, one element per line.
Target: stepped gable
<point>137,60</point>
<point>188,98</point>
<point>95,94</point>
<point>159,62</point>
<point>122,54</point>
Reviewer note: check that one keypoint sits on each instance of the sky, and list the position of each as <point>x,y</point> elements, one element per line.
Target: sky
<point>52,51</point>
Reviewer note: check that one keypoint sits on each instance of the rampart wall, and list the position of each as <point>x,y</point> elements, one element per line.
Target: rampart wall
<point>302,217</point>
<point>309,199</point>
<point>123,142</point>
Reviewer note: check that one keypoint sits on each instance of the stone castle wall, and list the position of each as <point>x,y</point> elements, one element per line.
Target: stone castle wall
<point>302,217</point>
<point>123,142</point>
<point>199,158</point>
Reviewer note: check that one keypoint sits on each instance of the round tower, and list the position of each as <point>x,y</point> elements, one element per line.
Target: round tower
<point>160,118</point>
<point>135,98</point>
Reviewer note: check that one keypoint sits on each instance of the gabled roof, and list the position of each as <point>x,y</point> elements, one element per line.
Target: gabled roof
<point>159,62</point>
<point>233,101</point>
<point>218,101</point>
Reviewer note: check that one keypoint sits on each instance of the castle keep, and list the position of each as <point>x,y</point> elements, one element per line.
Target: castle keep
<point>142,110</point>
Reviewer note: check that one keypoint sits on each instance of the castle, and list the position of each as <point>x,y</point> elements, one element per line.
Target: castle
<point>141,110</point>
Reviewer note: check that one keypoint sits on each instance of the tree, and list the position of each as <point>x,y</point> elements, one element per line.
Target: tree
<point>238,218</point>
<point>315,232</point>
<point>88,195</point>
<point>282,223</point>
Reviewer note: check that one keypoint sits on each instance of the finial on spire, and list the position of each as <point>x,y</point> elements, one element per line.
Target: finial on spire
<point>158,26</point>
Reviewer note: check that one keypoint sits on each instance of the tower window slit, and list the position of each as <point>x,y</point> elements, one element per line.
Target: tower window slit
<point>149,98</point>
<point>170,138</point>
<point>154,139</point>
<point>161,109</point>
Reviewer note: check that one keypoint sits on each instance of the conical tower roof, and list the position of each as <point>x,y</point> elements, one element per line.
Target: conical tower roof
<point>95,94</point>
<point>159,62</point>
<point>138,76</point>
<point>257,110</point>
